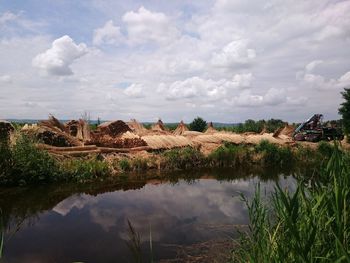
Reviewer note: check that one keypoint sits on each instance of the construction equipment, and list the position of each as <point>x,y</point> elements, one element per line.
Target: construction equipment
<point>313,130</point>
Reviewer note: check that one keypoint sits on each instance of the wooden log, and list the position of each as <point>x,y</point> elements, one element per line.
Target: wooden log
<point>66,149</point>
<point>75,153</point>
<point>124,150</point>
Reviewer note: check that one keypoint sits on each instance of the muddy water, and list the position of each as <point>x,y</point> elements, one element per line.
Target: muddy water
<point>184,216</point>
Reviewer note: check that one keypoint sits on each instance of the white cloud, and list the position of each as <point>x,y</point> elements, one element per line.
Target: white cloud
<point>235,54</point>
<point>135,90</point>
<point>205,88</point>
<point>312,65</point>
<point>145,26</point>
<point>58,59</point>
<point>5,79</point>
<point>7,17</point>
<point>108,34</point>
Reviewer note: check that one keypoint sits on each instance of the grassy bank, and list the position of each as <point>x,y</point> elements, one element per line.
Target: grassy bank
<point>23,163</point>
<point>310,224</point>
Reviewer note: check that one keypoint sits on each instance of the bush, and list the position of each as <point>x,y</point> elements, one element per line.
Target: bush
<point>124,165</point>
<point>30,164</point>
<point>230,155</point>
<point>274,155</point>
<point>84,170</point>
<point>182,158</point>
<point>198,124</point>
<point>139,164</point>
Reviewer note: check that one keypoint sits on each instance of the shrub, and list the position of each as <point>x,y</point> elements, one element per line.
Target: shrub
<point>198,124</point>
<point>182,158</point>
<point>83,170</point>
<point>139,164</point>
<point>274,154</point>
<point>30,164</point>
<point>124,165</point>
<point>230,155</point>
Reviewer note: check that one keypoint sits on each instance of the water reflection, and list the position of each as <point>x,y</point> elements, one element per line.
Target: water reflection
<point>89,222</point>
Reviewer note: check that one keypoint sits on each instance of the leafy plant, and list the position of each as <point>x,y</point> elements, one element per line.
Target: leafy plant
<point>198,124</point>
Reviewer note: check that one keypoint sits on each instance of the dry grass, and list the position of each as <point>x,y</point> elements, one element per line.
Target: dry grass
<point>157,142</point>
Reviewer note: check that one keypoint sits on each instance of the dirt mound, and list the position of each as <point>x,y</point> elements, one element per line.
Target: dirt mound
<point>181,129</point>
<point>210,129</point>
<point>79,129</point>
<point>113,128</point>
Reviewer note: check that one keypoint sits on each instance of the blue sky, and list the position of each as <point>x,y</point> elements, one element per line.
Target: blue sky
<point>224,60</point>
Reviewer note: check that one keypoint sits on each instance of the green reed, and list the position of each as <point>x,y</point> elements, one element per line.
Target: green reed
<point>310,224</point>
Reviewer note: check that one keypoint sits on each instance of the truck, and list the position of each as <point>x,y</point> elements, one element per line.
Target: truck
<point>313,130</point>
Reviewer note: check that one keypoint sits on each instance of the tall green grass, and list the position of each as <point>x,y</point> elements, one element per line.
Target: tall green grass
<point>310,224</point>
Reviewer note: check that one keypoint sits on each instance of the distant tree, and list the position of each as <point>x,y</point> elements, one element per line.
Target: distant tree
<point>344,111</point>
<point>198,124</point>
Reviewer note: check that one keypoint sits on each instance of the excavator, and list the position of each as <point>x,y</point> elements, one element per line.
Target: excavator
<point>313,130</point>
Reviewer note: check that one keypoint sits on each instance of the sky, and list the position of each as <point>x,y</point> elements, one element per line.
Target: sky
<point>223,60</point>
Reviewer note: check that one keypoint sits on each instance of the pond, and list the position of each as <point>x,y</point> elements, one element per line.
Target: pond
<point>176,217</point>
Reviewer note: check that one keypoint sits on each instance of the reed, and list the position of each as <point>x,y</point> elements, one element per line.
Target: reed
<point>310,224</point>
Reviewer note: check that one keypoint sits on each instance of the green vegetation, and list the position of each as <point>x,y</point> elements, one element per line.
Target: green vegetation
<point>124,165</point>
<point>344,111</point>
<point>255,126</point>
<point>230,155</point>
<point>198,124</point>
<point>23,163</point>
<point>309,224</point>
<point>183,158</point>
<point>81,171</point>
<point>274,155</point>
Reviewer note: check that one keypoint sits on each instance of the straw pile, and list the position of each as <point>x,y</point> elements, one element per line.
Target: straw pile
<point>158,126</point>
<point>79,129</point>
<point>210,129</point>
<point>181,129</point>
<point>137,127</point>
<point>52,132</point>
<point>157,142</point>
<point>113,128</point>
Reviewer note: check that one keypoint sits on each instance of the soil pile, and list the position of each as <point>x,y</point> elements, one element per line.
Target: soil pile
<point>113,128</point>
<point>181,129</point>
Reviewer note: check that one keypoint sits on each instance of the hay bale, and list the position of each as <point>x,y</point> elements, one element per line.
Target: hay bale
<point>180,129</point>
<point>113,128</point>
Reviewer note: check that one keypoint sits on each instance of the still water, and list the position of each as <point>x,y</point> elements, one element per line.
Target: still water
<point>178,217</point>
